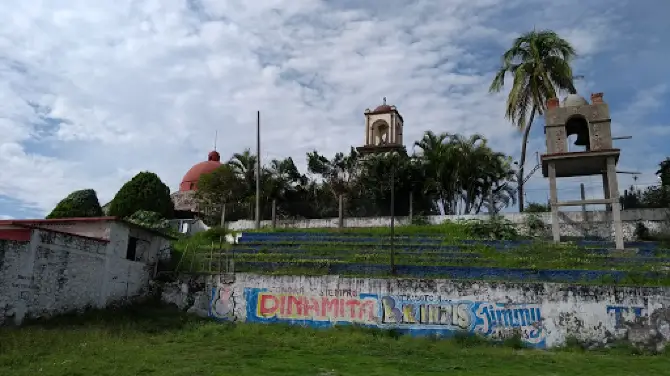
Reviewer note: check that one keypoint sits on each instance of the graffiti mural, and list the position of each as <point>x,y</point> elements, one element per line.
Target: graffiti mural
<point>332,307</point>
<point>222,304</point>
<point>424,316</point>
<point>446,317</point>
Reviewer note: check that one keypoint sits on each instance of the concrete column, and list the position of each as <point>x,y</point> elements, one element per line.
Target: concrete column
<point>367,130</point>
<point>553,200</point>
<point>606,190</point>
<point>616,206</point>
<point>585,217</point>
<point>392,130</point>
<point>340,223</point>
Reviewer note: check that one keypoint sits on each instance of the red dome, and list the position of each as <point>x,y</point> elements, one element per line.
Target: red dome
<point>383,108</point>
<point>190,180</point>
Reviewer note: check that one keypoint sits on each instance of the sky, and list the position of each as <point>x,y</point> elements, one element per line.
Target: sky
<point>93,92</point>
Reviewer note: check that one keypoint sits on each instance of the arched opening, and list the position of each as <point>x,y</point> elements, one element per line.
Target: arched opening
<point>380,133</point>
<point>577,131</point>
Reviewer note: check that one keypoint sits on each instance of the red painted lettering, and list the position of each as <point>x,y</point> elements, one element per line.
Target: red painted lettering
<point>311,306</point>
<point>268,305</point>
<point>294,305</point>
<point>352,304</point>
<point>330,307</point>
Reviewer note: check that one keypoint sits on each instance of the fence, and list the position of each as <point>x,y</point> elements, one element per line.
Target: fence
<point>275,210</point>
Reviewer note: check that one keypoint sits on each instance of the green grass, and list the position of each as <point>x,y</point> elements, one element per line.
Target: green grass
<point>150,340</point>
<point>205,253</point>
<point>454,230</point>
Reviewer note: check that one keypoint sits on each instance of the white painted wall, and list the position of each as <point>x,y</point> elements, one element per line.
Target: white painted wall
<point>545,315</point>
<point>573,223</point>
<point>56,272</point>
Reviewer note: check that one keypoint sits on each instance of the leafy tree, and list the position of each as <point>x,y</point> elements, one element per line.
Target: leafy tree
<point>82,203</point>
<point>539,62</point>
<point>536,207</point>
<point>144,192</point>
<point>221,186</point>
<point>455,173</point>
<point>664,172</point>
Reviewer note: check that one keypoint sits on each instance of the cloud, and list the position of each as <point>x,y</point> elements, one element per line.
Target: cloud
<point>93,92</point>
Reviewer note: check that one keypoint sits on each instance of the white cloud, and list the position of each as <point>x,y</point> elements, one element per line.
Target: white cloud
<point>93,92</point>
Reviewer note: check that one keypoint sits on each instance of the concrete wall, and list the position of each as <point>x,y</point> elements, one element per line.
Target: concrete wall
<point>189,226</point>
<point>56,272</point>
<point>573,223</point>
<point>544,315</point>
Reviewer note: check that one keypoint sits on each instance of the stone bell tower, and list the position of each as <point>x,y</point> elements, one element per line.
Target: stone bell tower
<point>591,123</point>
<point>383,130</point>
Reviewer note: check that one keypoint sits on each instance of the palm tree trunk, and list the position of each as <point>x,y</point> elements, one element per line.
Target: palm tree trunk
<point>524,145</point>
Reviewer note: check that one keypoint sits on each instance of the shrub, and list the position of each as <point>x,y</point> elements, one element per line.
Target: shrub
<point>534,225</point>
<point>496,228</point>
<point>82,203</point>
<point>149,219</point>
<point>144,192</point>
<point>641,232</point>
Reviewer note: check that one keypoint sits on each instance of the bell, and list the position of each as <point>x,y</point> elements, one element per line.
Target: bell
<point>582,138</point>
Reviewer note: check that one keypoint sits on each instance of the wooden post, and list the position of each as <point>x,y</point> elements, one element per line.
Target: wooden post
<point>411,207</point>
<point>274,214</point>
<point>341,212</point>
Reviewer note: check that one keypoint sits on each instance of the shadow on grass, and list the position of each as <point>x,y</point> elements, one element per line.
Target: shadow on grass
<point>149,317</point>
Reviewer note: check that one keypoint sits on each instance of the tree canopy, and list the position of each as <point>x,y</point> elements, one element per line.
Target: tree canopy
<point>539,63</point>
<point>447,173</point>
<point>81,203</point>
<point>144,192</point>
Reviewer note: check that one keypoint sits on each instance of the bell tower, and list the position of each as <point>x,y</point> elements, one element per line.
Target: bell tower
<point>591,123</point>
<point>383,129</point>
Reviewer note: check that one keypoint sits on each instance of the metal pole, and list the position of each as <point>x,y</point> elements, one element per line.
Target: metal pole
<point>392,218</point>
<point>258,170</point>
<point>223,215</point>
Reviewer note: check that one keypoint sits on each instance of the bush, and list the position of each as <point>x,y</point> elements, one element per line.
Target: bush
<point>496,228</point>
<point>144,192</point>
<point>82,203</point>
<point>149,219</point>
<point>214,234</point>
<point>641,232</point>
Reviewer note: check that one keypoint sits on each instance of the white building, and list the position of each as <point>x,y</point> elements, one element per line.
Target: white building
<point>50,266</point>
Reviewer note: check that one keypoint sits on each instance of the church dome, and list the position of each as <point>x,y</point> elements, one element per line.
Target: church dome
<point>383,108</point>
<point>573,100</point>
<point>190,180</point>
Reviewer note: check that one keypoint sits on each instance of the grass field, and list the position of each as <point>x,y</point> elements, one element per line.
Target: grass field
<point>151,340</point>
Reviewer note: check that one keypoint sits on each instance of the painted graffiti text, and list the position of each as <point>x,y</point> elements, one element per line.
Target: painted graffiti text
<point>319,308</point>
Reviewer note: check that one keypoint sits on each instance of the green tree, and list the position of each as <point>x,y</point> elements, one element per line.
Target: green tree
<point>664,172</point>
<point>221,186</point>
<point>82,203</point>
<point>146,192</point>
<point>539,62</point>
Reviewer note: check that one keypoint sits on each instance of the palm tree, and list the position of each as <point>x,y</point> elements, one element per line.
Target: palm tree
<point>539,62</point>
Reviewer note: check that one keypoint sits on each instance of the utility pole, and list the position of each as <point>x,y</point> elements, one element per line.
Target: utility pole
<point>258,170</point>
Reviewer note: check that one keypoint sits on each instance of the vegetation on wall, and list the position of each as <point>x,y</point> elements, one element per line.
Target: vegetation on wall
<point>81,203</point>
<point>144,192</point>
<point>446,173</point>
